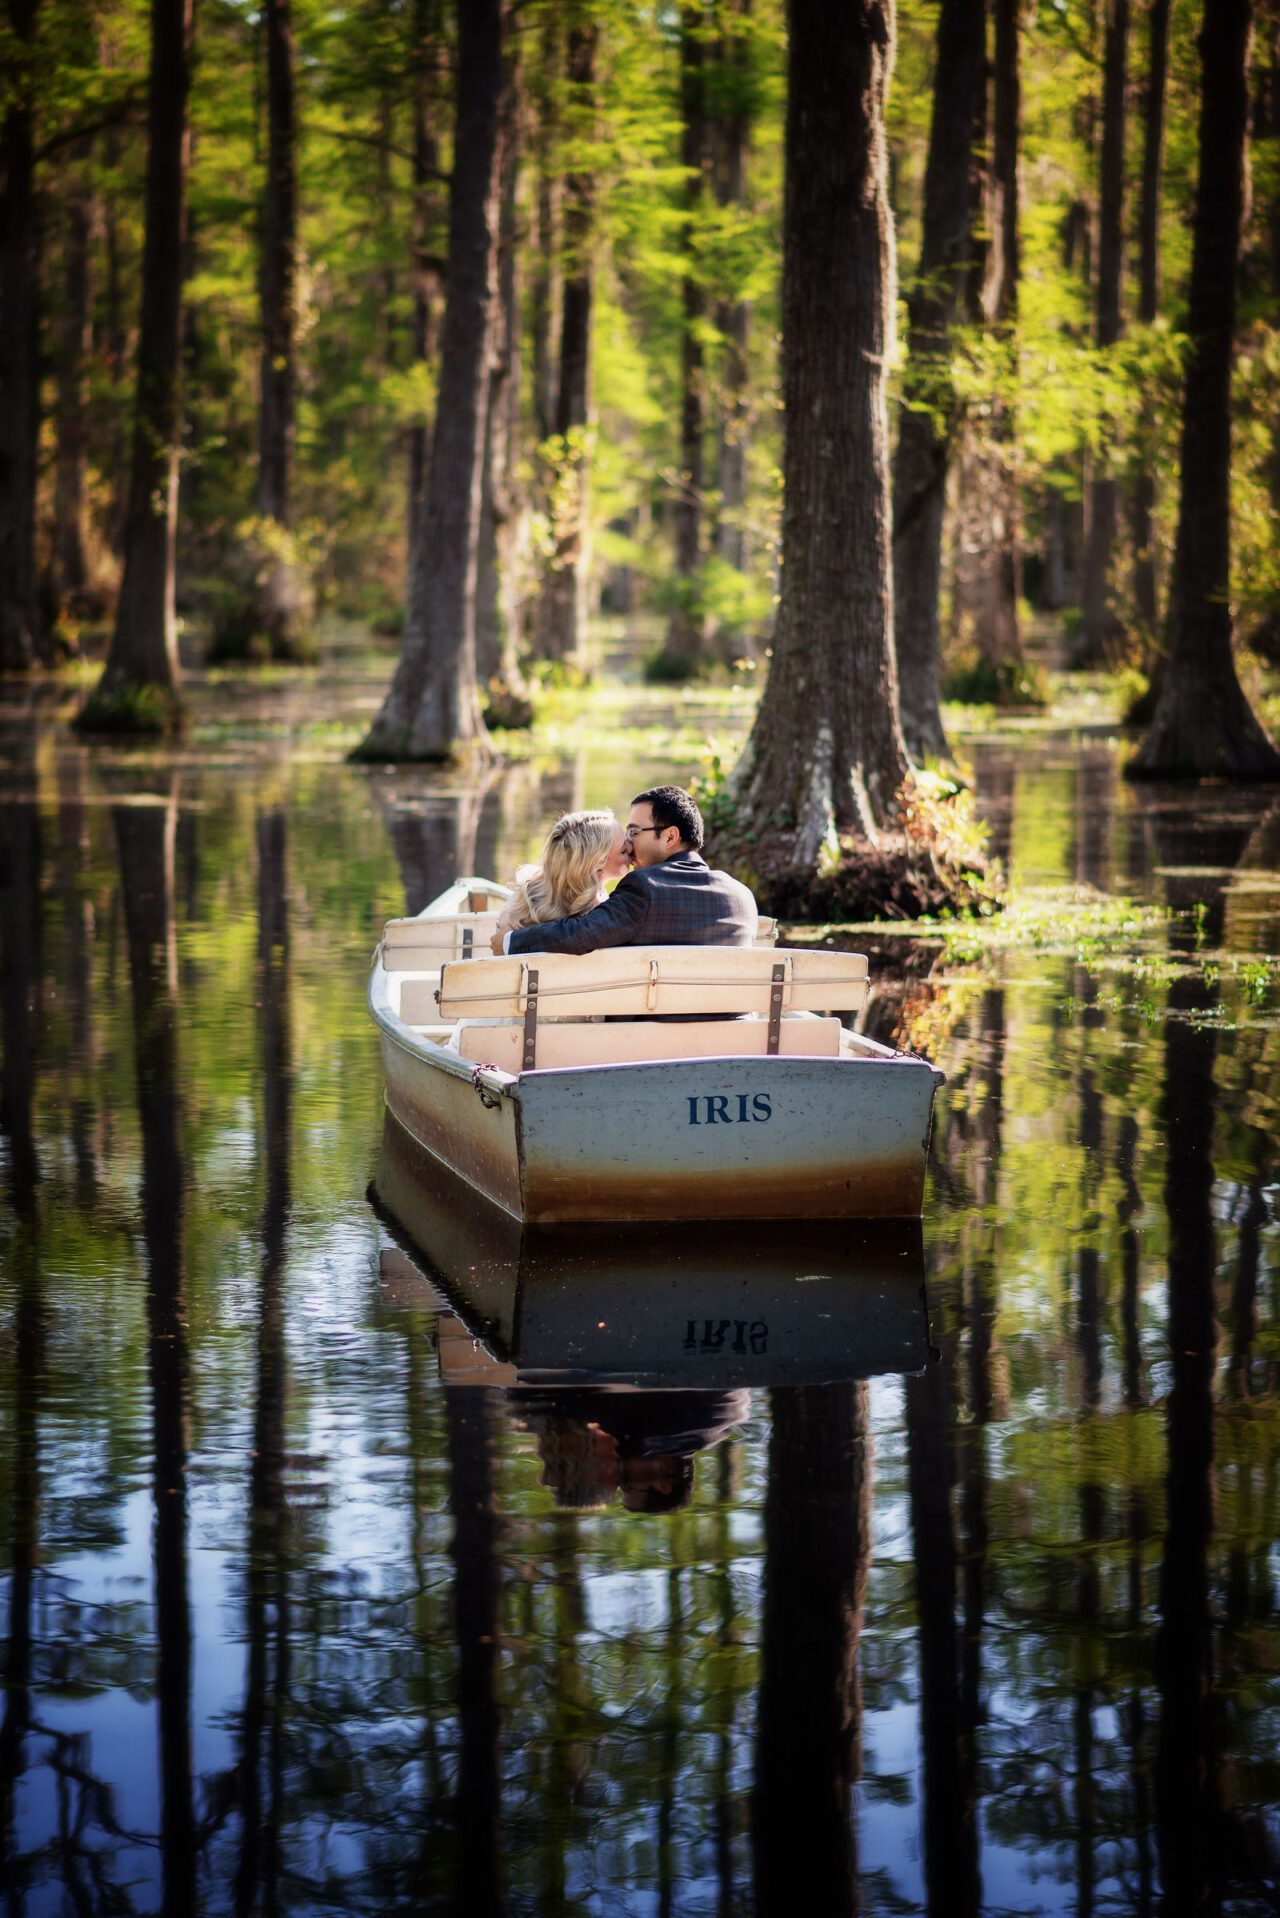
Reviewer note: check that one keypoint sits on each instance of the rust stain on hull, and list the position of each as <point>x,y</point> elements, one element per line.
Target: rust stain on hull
<point>894,1190</point>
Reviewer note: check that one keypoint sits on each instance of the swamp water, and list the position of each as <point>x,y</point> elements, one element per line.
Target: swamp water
<point>312,1603</point>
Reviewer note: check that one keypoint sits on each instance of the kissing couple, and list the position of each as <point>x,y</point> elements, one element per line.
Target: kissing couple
<point>666,894</point>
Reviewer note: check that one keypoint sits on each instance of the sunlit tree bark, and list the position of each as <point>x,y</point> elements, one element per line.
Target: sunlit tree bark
<point>1203,723</point>
<point>144,646</point>
<point>732,142</point>
<point>924,425</point>
<point>988,572</point>
<point>686,628</point>
<point>281,612</point>
<point>1099,623</point>
<point>432,710</point>
<point>562,611</point>
<point>504,518</point>
<point>427,78</point>
<point>826,750</point>
<point>1143,504</point>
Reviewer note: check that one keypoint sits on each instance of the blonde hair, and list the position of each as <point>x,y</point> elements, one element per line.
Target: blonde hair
<point>566,879</point>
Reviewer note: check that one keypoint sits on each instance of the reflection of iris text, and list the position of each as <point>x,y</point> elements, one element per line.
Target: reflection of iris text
<point>750,1336</point>
<point>734,1108</point>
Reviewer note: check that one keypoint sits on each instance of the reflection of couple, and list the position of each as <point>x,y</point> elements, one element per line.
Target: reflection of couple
<point>667,894</point>
<point>598,1443</point>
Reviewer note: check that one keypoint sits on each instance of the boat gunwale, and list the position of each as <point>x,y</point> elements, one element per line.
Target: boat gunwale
<point>414,1041</point>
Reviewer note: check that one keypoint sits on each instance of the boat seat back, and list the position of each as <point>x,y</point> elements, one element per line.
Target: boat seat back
<point>626,1042</point>
<point>634,982</point>
<point>424,945</point>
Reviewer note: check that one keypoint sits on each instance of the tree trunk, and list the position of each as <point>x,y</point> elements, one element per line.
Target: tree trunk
<point>826,749</point>
<point>563,610</point>
<point>502,512</point>
<point>1143,504</point>
<point>545,286</point>
<point>117,343</point>
<point>988,578</point>
<point>1269,119</point>
<point>144,646</point>
<point>1100,627</point>
<point>279,272</point>
<point>686,629</point>
<point>19,382</point>
<point>733,317</point>
<point>281,612</point>
<point>426,164</point>
<point>432,710</point>
<point>924,430</point>
<point>1203,724</point>
<point>70,493</point>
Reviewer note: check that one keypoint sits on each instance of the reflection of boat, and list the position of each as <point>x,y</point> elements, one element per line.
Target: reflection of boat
<point>646,1082</point>
<point>694,1305</point>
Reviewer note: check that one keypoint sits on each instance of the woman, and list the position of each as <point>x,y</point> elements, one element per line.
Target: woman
<point>582,851</point>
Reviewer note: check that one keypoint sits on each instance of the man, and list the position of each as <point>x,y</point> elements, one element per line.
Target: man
<point>670,898</point>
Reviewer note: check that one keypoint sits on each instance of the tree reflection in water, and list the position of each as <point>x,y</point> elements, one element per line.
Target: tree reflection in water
<point>476,1602</point>
<point>145,836</point>
<point>808,1747</point>
<point>261,1773</point>
<point>1189,1808</point>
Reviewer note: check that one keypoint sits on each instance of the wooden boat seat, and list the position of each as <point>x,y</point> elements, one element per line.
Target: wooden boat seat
<point>424,945</point>
<point>627,1041</point>
<point>699,985</point>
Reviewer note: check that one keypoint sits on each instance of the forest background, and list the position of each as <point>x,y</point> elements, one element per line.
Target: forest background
<point>632,431</point>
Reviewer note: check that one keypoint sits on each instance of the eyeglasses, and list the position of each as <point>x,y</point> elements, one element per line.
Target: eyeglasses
<point>633,832</point>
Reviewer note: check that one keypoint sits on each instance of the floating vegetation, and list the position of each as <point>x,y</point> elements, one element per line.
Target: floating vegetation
<point>1074,919</point>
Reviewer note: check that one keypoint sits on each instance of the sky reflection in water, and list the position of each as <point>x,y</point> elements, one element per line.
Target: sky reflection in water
<point>314,1603</point>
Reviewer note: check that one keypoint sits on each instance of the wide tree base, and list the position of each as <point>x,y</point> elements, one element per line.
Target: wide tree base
<point>133,709</point>
<point>383,747</point>
<point>1204,731</point>
<point>901,876</point>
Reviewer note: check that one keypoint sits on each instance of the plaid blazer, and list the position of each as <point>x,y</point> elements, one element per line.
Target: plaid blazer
<point>679,902</point>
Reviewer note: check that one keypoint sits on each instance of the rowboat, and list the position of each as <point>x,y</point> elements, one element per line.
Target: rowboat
<point>693,1306</point>
<point>646,1082</point>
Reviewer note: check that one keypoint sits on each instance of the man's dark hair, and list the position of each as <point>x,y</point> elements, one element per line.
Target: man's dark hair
<point>671,1493</point>
<point>673,806</point>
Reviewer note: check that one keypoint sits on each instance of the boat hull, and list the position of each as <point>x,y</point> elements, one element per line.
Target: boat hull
<point>713,1139</point>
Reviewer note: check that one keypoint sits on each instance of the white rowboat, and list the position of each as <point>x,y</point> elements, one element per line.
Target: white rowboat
<point>646,1082</point>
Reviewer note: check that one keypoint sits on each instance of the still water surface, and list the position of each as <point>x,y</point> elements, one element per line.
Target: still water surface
<point>314,1603</point>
